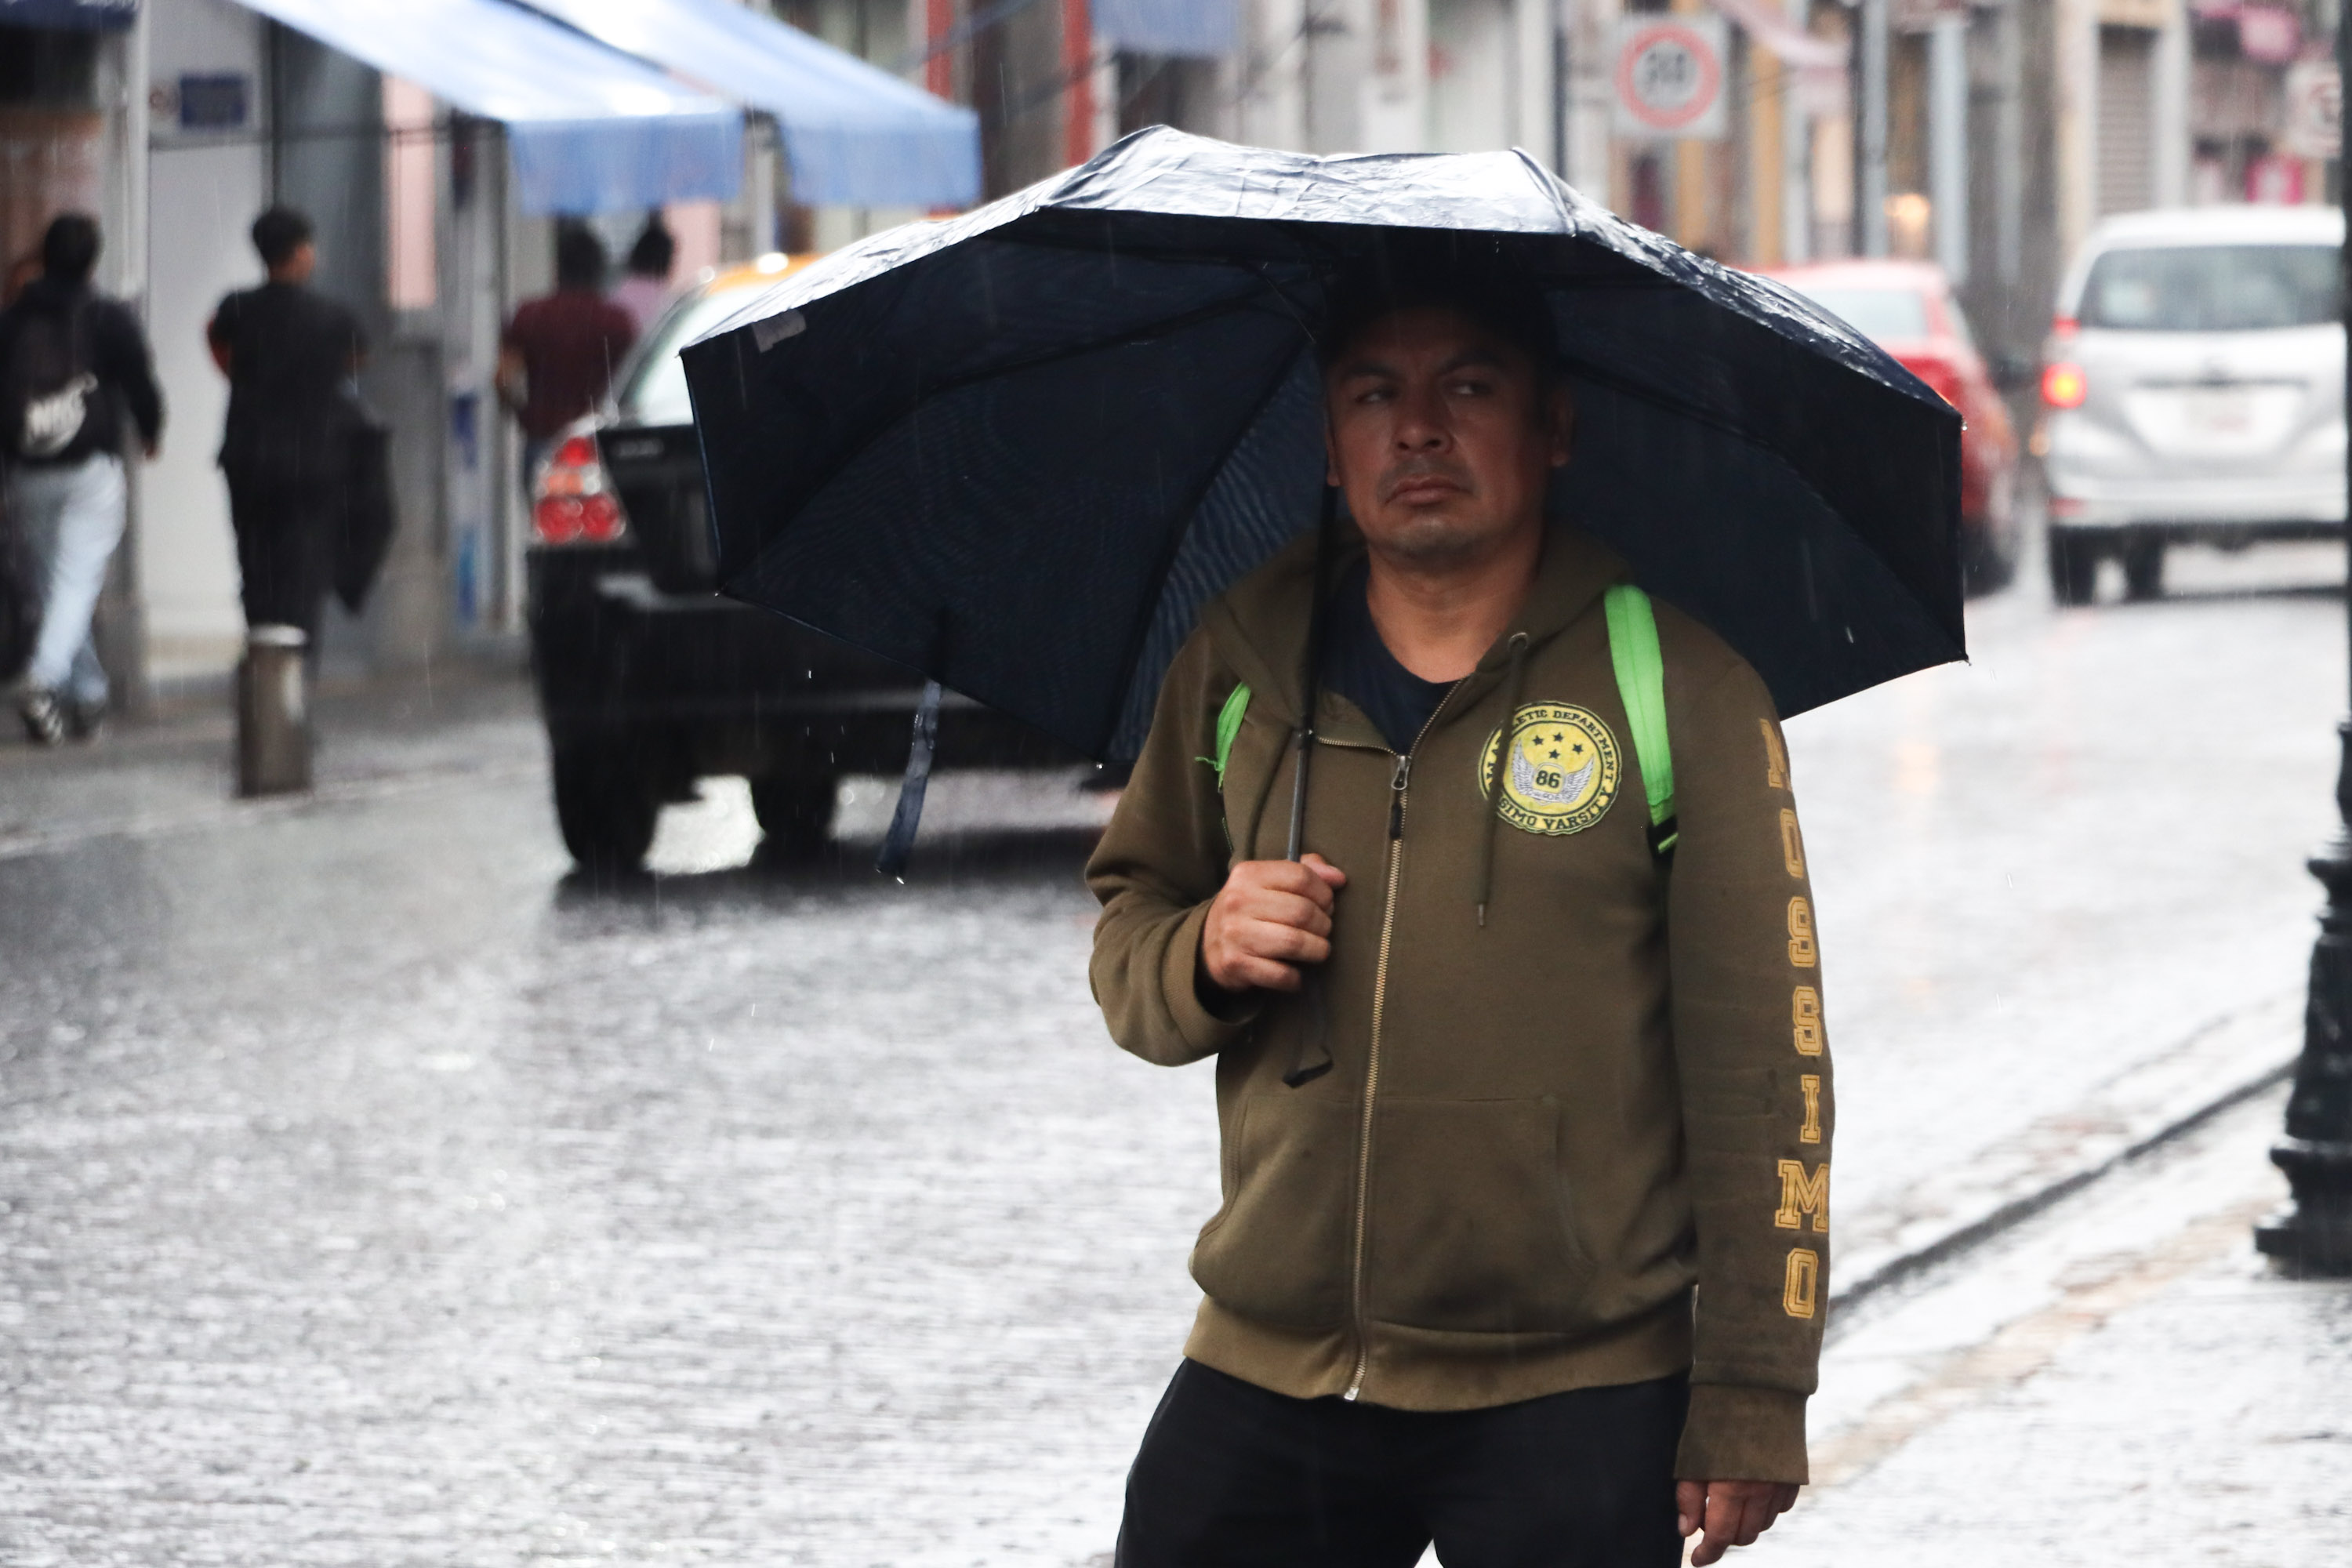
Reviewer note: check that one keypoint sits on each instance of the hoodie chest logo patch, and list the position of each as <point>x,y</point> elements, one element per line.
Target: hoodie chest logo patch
<point>1560,769</point>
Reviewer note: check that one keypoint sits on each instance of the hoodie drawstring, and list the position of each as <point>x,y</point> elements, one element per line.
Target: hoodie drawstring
<point>1516,686</point>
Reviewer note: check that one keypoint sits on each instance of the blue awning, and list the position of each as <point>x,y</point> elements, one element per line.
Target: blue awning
<point>854,134</point>
<point>1196,27</point>
<point>88,15</point>
<point>591,130</point>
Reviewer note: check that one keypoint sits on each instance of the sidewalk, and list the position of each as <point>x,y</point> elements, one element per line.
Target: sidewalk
<point>2119,1379</point>
<point>176,771</point>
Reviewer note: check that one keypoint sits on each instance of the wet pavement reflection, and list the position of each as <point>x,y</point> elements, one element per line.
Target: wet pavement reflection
<point>376,1190</point>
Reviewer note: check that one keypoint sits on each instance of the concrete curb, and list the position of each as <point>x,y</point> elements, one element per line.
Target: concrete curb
<point>2141,1109</point>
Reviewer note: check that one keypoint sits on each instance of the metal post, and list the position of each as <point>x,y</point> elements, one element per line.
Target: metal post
<point>1948,141</point>
<point>1796,153</point>
<point>2169,105</point>
<point>2075,144</point>
<point>2314,1234</point>
<point>1870,194</point>
<point>1561,99</point>
<point>2009,148</point>
<point>1077,83</point>
<point>121,625</point>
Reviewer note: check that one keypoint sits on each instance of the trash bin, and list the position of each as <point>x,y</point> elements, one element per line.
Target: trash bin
<point>273,715</point>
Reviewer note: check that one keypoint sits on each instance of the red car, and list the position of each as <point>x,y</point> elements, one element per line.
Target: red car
<point>1906,308</point>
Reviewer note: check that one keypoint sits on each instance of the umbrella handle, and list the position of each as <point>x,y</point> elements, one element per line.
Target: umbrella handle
<point>899,844</point>
<point>1306,743</point>
<point>1310,1054</point>
<point>1310,684</point>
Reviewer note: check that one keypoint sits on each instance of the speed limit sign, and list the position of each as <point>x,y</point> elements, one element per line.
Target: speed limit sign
<point>1669,76</point>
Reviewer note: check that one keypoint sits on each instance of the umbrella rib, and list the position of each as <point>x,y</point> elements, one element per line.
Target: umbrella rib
<point>1248,301</point>
<point>1701,416</point>
<point>1548,183</point>
<point>1142,636</point>
<point>1615,382</point>
<point>1075,350</point>
<point>956,383</point>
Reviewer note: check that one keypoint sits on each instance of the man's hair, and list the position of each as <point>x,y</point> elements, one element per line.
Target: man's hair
<point>579,257</point>
<point>70,248</point>
<point>655,250</point>
<point>1443,271</point>
<point>279,233</point>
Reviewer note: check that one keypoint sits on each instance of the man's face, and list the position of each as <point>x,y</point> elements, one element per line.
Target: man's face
<point>299,263</point>
<point>1440,436</point>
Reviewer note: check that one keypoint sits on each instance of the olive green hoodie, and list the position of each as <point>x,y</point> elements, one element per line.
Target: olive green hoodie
<point>1583,1144</point>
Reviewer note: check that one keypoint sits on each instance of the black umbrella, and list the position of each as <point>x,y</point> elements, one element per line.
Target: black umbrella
<point>1017,450</point>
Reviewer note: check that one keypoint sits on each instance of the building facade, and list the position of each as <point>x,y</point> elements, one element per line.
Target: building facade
<point>1987,135</point>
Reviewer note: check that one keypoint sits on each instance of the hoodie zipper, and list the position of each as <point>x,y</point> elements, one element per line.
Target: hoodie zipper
<point>1400,782</point>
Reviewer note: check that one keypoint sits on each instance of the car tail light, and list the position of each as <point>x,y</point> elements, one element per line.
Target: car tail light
<point>2064,326</point>
<point>573,501</point>
<point>1942,377</point>
<point>2064,385</point>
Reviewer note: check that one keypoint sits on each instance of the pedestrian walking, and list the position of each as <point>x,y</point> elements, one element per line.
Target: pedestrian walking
<point>557,357</point>
<point>290,354</point>
<point>72,363</point>
<point>644,293</point>
<point>1522,1088</point>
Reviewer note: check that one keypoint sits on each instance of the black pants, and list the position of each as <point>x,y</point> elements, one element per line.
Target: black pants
<point>285,547</point>
<point>1232,1476</point>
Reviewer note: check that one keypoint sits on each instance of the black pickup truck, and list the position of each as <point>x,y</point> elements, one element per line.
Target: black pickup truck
<point>650,681</point>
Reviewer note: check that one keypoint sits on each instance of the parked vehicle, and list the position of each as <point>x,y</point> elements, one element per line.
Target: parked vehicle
<point>650,681</point>
<point>2193,390</point>
<point>1908,309</point>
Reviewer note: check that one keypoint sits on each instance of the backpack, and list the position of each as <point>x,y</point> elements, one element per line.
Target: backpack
<point>1640,671</point>
<point>50,383</point>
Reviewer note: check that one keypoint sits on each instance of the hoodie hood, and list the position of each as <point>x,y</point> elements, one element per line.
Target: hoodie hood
<point>1259,625</point>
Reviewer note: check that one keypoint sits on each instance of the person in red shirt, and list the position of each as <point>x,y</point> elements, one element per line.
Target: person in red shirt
<point>557,357</point>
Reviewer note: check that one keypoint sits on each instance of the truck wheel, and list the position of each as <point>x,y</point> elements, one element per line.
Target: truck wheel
<point>1985,566</point>
<point>2073,567</point>
<point>2144,569</point>
<point>795,812</point>
<point>606,808</point>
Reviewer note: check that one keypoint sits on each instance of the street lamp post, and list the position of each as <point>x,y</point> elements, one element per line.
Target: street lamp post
<point>2314,1234</point>
<point>1869,195</point>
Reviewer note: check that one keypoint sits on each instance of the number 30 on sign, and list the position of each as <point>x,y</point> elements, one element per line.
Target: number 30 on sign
<point>1669,77</point>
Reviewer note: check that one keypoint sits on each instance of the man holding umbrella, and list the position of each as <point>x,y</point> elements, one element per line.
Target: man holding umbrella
<point>1475,871</point>
<point>1523,1090</point>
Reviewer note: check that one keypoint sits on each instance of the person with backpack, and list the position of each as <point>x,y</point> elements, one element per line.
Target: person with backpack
<point>290,354</point>
<point>1521,1075</point>
<point>73,362</point>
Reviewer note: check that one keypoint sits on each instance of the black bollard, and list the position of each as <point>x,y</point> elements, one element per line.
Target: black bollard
<point>2313,1235</point>
<point>273,717</point>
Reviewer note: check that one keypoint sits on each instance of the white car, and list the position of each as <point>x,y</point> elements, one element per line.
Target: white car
<point>2193,390</point>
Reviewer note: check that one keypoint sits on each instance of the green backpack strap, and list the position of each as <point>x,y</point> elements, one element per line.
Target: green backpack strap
<point>1229,724</point>
<point>1642,684</point>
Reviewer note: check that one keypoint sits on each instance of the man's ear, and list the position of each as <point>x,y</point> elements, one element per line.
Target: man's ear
<point>1330,453</point>
<point>1562,421</point>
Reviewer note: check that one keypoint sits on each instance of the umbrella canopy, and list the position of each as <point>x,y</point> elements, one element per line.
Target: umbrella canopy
<point>1018,451</point>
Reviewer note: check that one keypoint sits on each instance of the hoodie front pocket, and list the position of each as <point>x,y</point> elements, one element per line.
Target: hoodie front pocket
<point>1277,1251</point>
<point>1470,1229</point>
